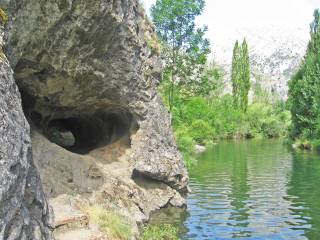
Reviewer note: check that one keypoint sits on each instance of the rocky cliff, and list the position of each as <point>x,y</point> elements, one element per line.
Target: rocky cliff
<point>88,81</point>
<point>24,212</point>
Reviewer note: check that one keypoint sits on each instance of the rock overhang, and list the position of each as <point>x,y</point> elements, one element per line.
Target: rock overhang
<point>74,60</point>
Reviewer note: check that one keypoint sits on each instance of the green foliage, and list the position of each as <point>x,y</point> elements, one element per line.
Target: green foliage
<point>201,121</point>
<point>235,74</point>
<point>208,84</point>
<point>186,145</point>
<point>316,145</point>
<point>193,90</point>
<point>245,83</point>
<point>185,48</point>
<point>112,224</point>
<point>3,16</point>
<point>304,89</point>
<point>161,232</point>
<point>240,75</point>
<point>204,120</point>
<point>203,117</point>
<point>200,131</point>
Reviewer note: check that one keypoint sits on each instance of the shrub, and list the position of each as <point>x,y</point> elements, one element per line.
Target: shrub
<point>186,144</point>
<point>112,224</point>
<point>161,232</point>
<point>200,131</point>
<point>196,108</point>
<point>271,127</point>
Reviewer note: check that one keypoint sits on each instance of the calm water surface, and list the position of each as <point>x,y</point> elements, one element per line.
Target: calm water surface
<point>252,190</point>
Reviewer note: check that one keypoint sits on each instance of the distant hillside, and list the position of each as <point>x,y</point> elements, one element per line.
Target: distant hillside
<point>275,54</point>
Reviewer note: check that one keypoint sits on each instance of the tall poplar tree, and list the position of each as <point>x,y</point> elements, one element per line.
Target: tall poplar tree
<point>235,75</point>
<point>240,75</point>
<point>245,75</point>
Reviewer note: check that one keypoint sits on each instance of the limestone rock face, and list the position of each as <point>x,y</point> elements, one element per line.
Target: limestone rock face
<point>24,213</point>
<point>85,67</point>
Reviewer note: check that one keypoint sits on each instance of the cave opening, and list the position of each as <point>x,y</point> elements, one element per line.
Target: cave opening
<point>79,131</point>
<point>84,133</point>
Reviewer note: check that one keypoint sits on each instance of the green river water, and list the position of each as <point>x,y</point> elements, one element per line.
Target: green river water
<point>251,190</point>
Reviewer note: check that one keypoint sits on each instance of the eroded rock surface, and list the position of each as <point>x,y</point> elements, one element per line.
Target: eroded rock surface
<point>83,62</point>
<point>24,212</point>
<point>88,75</point>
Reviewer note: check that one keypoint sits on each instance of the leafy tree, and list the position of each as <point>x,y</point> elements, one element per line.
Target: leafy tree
<point>185,47</point>
<point>209,83</point>
<point>304,89</point>
<point>240,75</point>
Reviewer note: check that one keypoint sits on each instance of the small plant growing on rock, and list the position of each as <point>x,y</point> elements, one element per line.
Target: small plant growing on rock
<point>154,44</point>
<point>2,55</point>
<point>112,224</point>
<point>161,232</point>
<point>3,16</point>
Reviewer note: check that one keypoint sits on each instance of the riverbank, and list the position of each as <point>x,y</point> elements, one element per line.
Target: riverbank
<point>199,122</point>
<point>308,145</point>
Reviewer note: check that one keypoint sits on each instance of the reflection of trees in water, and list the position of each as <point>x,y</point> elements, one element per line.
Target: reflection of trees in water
<point>268,170</point>
<point>171,215</point>
<point>239,196</point>
<point>222,175</point>
<point>242,188</point>
<point>251,189</point>
<point>304,185</point>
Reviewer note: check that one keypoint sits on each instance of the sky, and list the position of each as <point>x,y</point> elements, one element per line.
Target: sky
<point>235,13</point>
<point>223,17</point>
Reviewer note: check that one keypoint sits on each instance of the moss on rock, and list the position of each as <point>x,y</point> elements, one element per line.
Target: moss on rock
<point>3,16</point>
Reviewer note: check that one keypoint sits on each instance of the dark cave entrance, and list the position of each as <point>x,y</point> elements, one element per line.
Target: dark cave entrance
<point>80,131</point>
<point>84,133</point>
<point>79,135</point>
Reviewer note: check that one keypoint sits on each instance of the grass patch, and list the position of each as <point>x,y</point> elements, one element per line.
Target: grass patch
<point>160,232</point>
<point>112,224</point>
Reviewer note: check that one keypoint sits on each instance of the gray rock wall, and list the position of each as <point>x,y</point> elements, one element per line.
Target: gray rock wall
<point>87,59</point>
<point>24,213</point>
